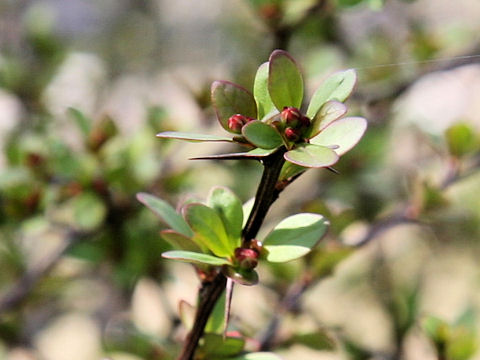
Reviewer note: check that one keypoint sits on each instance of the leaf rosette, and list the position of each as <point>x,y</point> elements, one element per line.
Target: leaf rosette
<point>209,235</point>
<point>258,121</point>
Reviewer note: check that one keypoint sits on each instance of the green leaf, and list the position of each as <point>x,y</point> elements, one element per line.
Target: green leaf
<point>254,154</point>
<point>330,111</point>
<point>257,356</point>
<point>209,229</point>
<point>260,92</point>
<point>461,139</point>
<point>192,137</point>
<point>194,257</point>
<point>345,133</point>
<point>242,276</point>
<point>348,3</point>
<point>290,169</point>
<point>216,321</point>
<point>317,340</point>
<point>294,237</point>
<point>436,329</point>
<point>166,213</point>
<point>229,207</point>
<point>216,346</point>
<point>462,345</point>
<point>229,99</point>
<point>179,241</point>
<point>285,82</point>
<point>83,122</point>
<point>336,87</point>
<point>262,135</point>
<point>313,156</point>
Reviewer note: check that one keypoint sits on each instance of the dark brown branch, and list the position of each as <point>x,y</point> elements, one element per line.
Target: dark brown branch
<point>209,294</point>
<point>266,195</point>
<point>211,290</point>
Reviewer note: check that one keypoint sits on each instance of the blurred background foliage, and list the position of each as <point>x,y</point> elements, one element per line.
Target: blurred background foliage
<point>85,86</point>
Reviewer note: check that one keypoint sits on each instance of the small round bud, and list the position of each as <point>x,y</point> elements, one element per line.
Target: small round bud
<point>246,258</point>
<point>292,134</point>
<point>291,116</point>
<point>236,122</point>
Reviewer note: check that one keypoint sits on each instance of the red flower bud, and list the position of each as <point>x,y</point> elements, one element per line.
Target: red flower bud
<point>292,134</point>
<point>291,116</point>
<point>246,258</point>
<point>236,122</point>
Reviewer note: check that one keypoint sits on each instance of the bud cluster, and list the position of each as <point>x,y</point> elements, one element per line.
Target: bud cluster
<point>246,258</point>
<point>295,123</point>
<point>236,122</point>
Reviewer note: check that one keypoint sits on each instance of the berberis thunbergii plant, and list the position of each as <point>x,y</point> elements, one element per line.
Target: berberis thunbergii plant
<point>219,236</point>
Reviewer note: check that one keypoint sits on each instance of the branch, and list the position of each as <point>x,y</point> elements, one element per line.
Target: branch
<point>211,290</point>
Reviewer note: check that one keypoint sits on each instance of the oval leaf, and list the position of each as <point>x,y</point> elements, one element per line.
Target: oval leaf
<point>285,82</point>
<point>192,137</point>
<point>294,237</point>
<point>166,213</point>
<point>262,135</point>
<point>313,156</point>
<point>260,92</point>
<point>195,258</point>
<point>345,133</point>
<point>179,241</point>
<point>229,207</point>
<point>330,111</point>
<point>255,154</point>
<point>336,87</point>
<point>209,229</point>
<point>229,99</point>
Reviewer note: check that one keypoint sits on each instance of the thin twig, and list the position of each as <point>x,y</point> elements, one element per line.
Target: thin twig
<point>211,290</point>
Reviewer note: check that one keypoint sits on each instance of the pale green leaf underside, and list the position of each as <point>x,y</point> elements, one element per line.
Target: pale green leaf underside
<point>179,241</point>
<point>285,82</point>
<point>330,111</point>
<point>313,156</point>
<point>336,87</point>
<point>290,169</point>
<point>345,133</point>
<point>166,213</point>
<point>192,136</point>
<point>229,99</point>
<point>194,257</point>
<point>257,356</point>
<point>260,92</point>
<point>209,229</point>
<point>294,237</point>
<point>229,208</point>
<point>262,135</point>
